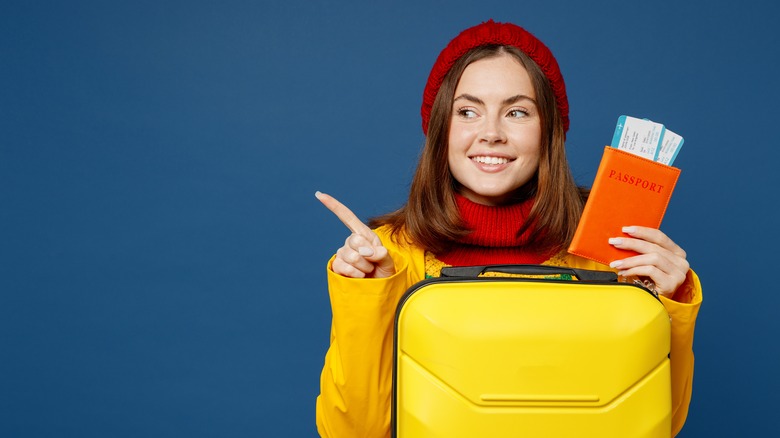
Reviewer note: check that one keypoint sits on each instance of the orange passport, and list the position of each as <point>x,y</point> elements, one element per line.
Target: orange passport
<point>628,190</point>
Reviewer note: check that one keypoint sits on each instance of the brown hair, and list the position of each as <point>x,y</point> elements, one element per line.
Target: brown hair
<point>430,217</point>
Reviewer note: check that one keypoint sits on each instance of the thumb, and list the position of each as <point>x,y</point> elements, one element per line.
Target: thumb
<point>383,262</point>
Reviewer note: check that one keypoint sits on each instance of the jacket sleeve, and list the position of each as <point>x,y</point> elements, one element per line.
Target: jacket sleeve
<point>356,381</point>
<point>683,309</point>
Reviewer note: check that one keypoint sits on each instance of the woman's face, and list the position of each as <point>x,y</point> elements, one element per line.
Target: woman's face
<point>495,132</point>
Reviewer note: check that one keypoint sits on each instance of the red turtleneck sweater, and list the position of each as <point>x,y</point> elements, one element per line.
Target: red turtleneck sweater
<point>494,239</point>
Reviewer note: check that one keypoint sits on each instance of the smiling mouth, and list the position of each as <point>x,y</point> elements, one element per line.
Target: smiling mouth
<point>491,160</point>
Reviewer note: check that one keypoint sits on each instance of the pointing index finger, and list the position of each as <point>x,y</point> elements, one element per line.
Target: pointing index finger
<point>345,215</point>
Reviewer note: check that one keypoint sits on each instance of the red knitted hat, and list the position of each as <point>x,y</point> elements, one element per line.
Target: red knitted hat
<point>490,33</point>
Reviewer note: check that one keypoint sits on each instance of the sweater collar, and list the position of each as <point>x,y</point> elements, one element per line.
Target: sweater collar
<point>493,226</point>
<point>494,238</point>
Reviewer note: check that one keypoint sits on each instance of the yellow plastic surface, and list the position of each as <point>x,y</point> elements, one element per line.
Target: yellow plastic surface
<point>514,358</point>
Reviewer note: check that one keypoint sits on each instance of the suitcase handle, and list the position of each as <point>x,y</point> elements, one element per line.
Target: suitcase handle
<point>580,274</point>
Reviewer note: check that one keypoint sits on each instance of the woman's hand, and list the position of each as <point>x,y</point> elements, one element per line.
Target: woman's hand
<point>363,255</point>
<point>660,259</point>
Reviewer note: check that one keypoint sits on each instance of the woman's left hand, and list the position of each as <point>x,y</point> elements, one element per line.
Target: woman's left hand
<point>660,259</point>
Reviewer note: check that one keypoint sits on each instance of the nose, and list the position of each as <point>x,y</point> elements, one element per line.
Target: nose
<point>492,131</point>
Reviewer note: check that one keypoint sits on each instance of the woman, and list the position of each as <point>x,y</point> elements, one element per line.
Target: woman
<point>492,187</point>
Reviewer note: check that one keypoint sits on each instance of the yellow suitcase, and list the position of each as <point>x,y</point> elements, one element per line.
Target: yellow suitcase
<point>545,356</point>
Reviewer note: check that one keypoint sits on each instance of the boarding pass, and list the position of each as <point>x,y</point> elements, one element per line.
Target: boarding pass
<point>647,139</point>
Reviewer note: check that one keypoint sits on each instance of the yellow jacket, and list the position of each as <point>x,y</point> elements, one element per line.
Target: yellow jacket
<point>356,382</point>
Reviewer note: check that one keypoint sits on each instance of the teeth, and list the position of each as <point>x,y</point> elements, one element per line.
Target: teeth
<point>490,160</point>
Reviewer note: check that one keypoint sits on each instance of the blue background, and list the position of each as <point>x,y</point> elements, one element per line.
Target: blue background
<point>162,254</point>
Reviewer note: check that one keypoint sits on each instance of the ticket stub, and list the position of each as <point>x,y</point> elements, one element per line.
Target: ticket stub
<point>670,146</point>
<point>638,136</point>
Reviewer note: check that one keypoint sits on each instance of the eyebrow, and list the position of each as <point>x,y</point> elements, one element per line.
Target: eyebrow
<point>508,101</point>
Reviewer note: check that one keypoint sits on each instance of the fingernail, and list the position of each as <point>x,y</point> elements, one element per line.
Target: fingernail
<point>616,264</point>
<point>365,251</point>
<point>318,194</point>
<point>629,230</point>
<point>615,241</point>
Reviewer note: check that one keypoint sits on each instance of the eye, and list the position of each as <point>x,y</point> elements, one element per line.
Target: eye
<point>467,113</point>
<point>517,113</point>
